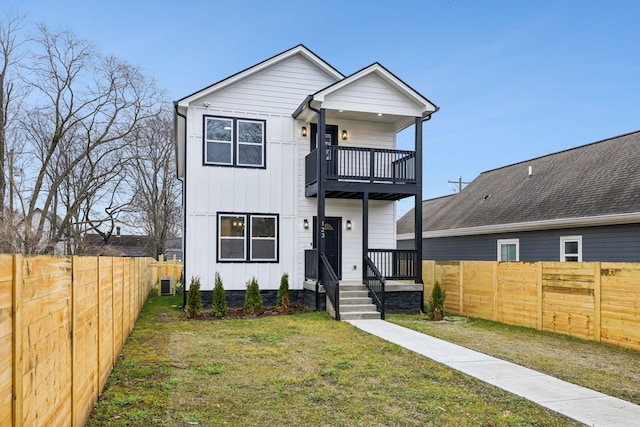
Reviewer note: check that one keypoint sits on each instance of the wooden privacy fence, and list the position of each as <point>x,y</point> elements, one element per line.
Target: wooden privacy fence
<point>63,322</point>
<point>590,300</point>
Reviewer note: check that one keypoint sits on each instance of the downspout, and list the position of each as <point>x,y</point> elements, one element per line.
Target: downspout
<point>418,207</point>
<point>318,224</point>
<point>184,198</point>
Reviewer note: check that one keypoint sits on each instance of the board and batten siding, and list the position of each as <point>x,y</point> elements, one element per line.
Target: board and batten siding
<point>279,89</point>
<point>270,95</point>
<point>214,189</point>
<point>611,243</point>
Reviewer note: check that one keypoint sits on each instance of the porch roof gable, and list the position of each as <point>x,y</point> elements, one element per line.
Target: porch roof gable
<point>372,93</point>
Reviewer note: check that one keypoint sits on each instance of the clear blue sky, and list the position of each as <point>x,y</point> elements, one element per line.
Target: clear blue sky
<point>514,79</point>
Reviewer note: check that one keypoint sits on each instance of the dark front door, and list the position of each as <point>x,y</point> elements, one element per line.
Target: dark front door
<point>330,137</point>
<point>332,242</point>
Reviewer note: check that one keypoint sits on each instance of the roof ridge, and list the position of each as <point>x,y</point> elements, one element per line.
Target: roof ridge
<point>561,151</point>
<point>257,65</point>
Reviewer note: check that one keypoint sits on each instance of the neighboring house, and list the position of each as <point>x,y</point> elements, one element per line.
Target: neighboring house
<point>581,204</point>
<point>173,249</point>
<point>259,200</point>
<point>46,243</point>
<point>126,245</point>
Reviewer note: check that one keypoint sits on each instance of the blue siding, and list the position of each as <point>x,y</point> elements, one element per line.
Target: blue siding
<point>614,243</point>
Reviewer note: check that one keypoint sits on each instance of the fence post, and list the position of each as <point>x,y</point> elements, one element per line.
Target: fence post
<point>17,340</point>
<point>74,345</point>
<point>596,300</point>
<point>461,287</point>
<point>98,328</point>
<point>495,291</point>
<point>540,295</point>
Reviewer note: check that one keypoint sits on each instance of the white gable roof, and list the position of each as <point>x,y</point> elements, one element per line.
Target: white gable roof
<point>371,92</point>
<point>297,50</point>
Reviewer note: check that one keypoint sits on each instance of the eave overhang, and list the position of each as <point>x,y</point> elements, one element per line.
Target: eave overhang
<point>550,224</point>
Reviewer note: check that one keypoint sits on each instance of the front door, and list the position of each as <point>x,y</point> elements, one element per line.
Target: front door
<point>332,242</point>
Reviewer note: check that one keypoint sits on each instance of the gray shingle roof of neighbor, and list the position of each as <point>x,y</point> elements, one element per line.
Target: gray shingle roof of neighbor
<point>601,178</point>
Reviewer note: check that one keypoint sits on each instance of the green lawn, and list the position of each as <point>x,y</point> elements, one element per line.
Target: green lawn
<point>301,370</point>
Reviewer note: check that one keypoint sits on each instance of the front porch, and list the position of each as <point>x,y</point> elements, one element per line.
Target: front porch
<point>400,297</point>
<point>368,109</point>
<point>390,280</point>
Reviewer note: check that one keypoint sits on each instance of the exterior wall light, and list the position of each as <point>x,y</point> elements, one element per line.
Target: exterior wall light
<point>305,223</point>
<point>349,225</point>
<point>345,135</point>
<point>304,133</point>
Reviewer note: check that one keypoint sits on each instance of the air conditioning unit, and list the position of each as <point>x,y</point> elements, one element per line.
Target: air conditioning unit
<point>167,286</point>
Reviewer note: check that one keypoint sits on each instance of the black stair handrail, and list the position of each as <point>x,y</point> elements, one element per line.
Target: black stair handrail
<point>330,282</point>
<point>376,284</point>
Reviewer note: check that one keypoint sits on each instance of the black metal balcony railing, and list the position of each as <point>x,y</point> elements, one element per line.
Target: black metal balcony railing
<point>363,164</point>
<point>395,264</point>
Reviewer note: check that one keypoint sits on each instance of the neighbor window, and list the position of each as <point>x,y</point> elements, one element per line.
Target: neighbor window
<point>234,142</point>
<point>247,237</point>
<point>508,250</point>
<point>571,248</point>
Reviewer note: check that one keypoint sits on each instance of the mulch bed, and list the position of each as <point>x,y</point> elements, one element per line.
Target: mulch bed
<point>238,313</point>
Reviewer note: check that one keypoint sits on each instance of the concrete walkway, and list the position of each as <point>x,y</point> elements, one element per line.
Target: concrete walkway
<point>580,403</point>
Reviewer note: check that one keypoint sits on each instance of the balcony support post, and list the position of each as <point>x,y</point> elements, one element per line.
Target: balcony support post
<point>418,201</point>
<point>365,234</point>
<point>322,174</point>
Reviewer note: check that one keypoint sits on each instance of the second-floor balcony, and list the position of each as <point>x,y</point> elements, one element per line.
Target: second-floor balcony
<point>386,174</point>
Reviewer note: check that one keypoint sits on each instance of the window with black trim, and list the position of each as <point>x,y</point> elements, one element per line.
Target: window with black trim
<point>234,142</point>
<point>247,237</point>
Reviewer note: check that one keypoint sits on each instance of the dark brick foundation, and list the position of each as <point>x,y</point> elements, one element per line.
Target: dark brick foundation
<point>409,302</point>
<point>396,302</point>
<point>235,299</point>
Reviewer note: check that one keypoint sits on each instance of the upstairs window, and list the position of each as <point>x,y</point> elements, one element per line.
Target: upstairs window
<point>508,250</point>
<point>234,142</point>
<point>571,248</point>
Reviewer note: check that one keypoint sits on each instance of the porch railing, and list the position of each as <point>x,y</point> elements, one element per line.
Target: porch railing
<point>375,282</point>
<point>395,264</point>
<point>363,164</point>
<point>331,283</point>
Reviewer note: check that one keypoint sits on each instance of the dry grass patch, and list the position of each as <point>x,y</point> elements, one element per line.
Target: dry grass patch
<point>607,369</point>
<point>302,369</point>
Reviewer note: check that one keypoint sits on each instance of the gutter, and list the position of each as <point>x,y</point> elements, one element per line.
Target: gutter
<point>427,118</point>
<point>303,106</point>
<point>549,224</point>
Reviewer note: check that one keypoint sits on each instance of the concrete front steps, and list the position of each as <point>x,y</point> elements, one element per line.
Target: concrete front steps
<point>355,302</point>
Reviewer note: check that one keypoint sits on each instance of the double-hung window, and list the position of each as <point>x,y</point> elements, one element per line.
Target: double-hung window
<point>571,248</point>
<point>234,142</point>
<point>508,250</point>
<point>247,237</point>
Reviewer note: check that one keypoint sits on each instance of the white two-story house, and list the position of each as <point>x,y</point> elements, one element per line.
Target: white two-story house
<point>264,195</point>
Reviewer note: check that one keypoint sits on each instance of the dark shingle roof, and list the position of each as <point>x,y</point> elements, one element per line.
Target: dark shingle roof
<point>591,180</point>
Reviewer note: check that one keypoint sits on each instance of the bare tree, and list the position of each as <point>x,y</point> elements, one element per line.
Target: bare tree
<point>11,95</point>
<point>156,200</point>
<point>88,105</point>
